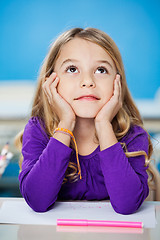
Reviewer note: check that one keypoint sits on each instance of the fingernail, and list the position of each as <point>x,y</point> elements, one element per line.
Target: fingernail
<point>118,77</point>
<point>53,74</point>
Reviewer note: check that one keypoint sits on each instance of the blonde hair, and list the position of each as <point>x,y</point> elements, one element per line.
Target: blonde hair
<point>127,116</point>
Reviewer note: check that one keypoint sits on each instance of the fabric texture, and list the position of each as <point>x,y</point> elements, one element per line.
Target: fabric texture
<point>106,174</point>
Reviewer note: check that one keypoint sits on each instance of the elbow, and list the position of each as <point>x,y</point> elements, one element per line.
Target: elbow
<point>37,202</point>
<point>39,207</point>
<point>38,210</point>
<point>130,204</point>
<point>127,206</point>
<point>124,209</point>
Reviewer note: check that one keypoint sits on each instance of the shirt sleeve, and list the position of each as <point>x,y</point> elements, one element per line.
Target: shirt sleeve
<point>43,169</point>
<point>125,178</point>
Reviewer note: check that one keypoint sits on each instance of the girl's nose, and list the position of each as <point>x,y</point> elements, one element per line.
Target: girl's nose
<point>87,82</point>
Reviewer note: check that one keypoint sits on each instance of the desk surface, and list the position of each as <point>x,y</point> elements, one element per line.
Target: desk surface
<point>25,232</point>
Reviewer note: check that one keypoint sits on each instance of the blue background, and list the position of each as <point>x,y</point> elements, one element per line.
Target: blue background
<point>28,27</point>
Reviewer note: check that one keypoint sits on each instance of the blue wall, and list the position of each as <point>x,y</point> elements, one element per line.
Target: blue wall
<point>28,27</point>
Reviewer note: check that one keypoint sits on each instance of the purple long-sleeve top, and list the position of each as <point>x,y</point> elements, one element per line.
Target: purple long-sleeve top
<point>106,174</point>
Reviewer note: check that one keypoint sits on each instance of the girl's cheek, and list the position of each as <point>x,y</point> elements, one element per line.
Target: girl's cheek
<point>62,87</point>
<point>108,91</point>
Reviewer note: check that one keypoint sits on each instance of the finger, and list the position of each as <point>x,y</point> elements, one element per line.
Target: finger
<point>49,79</point>
<point>120,89</point>
<point>54,84</point>
<point>47,84</point>
<point>48,98</point>
<point>118,83</point>
<point>47,91</point>
<point>52,76</point>
<point>53,87</point>
<point>116,87</point>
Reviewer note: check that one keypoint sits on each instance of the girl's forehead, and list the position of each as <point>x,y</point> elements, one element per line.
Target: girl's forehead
<point>79,44</point>
<point>78,47</point>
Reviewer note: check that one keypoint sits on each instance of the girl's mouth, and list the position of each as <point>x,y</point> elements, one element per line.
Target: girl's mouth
<point>88,98</point>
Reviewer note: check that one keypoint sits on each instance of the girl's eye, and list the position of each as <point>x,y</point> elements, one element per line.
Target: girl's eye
<point>101,70</point>
<point>71,69</point>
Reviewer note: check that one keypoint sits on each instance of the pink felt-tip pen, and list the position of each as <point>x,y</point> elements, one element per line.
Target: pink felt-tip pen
<point>99,223</point>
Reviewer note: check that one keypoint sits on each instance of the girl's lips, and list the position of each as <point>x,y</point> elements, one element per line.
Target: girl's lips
<point>88,98</point>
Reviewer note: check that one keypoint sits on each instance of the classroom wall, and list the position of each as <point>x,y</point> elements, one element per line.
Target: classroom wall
<point>28,27</point>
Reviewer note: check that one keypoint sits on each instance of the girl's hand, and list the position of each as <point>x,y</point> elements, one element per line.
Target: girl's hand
<point>58,103</point>
<point>111,108</point>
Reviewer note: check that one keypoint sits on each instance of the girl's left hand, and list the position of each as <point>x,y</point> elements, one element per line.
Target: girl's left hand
<point>111,108</point>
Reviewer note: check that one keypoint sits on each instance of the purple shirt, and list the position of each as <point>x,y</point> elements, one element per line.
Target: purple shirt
<point>106,174</point>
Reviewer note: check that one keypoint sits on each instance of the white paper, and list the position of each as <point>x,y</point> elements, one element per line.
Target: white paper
<point>18,212</point>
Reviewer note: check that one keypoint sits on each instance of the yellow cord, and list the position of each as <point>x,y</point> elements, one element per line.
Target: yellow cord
<point>68,132</point>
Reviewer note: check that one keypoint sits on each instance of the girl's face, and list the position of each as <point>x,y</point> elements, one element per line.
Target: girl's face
<point>87,74</point>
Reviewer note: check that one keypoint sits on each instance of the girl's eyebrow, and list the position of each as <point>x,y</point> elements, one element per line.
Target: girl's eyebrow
<point>75,60</point>
<point>105,61</point>
<point>68,60</point>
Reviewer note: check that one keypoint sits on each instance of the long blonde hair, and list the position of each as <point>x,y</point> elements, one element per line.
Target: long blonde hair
<point>127,116</point>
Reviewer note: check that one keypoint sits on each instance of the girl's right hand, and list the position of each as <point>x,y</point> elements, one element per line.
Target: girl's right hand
<point>59,105</point>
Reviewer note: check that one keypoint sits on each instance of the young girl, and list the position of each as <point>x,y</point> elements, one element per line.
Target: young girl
<point>85,138</point>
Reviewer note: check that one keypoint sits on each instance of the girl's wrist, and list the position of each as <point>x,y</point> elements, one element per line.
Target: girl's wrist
<point>102,124</point>
<point>102,128</point>
<point>67,125</point>
<point>60,136</point>
<point>105,134</point>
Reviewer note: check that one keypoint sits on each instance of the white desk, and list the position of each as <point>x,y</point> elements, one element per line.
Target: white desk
<point>29,232</point>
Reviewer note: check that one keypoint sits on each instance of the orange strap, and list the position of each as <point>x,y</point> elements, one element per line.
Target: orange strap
<point>68,132</point>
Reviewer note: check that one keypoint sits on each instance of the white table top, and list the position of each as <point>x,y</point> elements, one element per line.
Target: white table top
<point>25,232</point>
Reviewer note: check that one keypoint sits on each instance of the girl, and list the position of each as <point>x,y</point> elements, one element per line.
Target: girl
<point>85,138</point>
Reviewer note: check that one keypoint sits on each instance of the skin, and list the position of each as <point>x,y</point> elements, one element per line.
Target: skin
<point>84,68</point>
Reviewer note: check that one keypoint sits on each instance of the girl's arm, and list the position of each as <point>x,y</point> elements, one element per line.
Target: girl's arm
<point>105,116</point>
<point>126,178</point>
<point>43,168</point>
<point>45,162</point>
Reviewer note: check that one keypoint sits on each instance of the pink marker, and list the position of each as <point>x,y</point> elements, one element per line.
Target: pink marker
<point>99,223</point>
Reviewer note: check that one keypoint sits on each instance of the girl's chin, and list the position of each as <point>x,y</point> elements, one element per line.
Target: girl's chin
<point>87,114</point>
